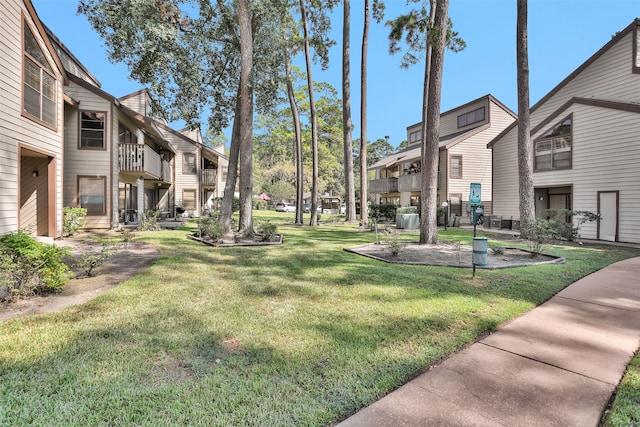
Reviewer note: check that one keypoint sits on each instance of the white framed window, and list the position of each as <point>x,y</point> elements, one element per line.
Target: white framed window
<point>92,194</point>
<point>553,150</point>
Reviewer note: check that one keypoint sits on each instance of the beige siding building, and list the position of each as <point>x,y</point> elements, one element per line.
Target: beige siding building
<point>585,135</point>
<point>31,124</point>
<point>465,132</point>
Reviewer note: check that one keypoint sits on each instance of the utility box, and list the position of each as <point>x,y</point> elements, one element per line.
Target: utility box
<point>477,212</point>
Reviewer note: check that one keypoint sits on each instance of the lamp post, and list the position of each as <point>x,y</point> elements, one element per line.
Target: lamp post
<point>446,211</point>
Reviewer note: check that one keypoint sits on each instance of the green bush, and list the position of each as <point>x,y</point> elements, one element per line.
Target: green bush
<point>150,221</point>
<point>392,239</point>
<point>261,205</point>
<point>29,267</point>
<point>72,219</point>
<point>540,231</point>
<point>407,210</point>
<point>87,262</point>
<point>382,211</point>
<point>267,230</point>
<point>210,227</point>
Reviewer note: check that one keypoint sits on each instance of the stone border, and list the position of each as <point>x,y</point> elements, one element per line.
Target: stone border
<point>554,260</point>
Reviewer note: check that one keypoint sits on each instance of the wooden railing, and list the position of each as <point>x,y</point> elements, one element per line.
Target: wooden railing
<point>139,158</point>
<point>413,182</point>
<point>383,185</point>
<point>208,177</point>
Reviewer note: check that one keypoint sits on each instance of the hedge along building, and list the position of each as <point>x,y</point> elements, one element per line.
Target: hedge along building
<point>31,124</point>
<point>586,145</point>
<point>465,132</point>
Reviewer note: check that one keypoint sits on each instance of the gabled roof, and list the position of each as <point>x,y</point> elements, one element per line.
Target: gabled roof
<point>57,42</point>
<point>460,107</point>
<point>572,76</point>
<point>415,151</point>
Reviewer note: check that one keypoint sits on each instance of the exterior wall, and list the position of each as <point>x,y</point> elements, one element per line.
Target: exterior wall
<point>88,162</point>
<point>604,141</point>
<point>449,119</point>
<point>17,131</point>
<point>185,181</point>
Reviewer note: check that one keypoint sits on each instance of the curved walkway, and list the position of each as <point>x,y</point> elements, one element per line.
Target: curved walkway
<point>557,365</point>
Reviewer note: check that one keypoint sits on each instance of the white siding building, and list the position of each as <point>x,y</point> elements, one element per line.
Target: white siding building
<point>31,124</point>
<point>465,132</point>
<point>586,153</point>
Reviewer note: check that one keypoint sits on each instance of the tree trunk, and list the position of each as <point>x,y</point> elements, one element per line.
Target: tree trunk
<point>295,114</point>
<point>430,145</point>
<point>347,125</point>
<point>525,146</point>
<point>314,124</point>
<point>364,185</point>
<point>226,209</point>
<point>246,119</point>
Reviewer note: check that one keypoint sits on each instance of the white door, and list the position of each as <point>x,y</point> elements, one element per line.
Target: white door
<point>608,210</point>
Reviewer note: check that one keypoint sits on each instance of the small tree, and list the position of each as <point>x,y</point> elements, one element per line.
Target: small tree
<point>72,219</point>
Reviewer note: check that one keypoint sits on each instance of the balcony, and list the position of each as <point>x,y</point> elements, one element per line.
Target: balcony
<point>383,185</point>
<point>167,172</point>
<point>413,182</point>
<point>140,159</point>
<point>208,177</point>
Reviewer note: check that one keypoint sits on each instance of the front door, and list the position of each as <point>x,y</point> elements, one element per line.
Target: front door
<point>608,211</point>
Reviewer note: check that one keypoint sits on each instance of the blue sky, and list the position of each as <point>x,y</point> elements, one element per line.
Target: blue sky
<point>562,35</point>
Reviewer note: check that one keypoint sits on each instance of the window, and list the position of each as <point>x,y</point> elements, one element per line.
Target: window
<point>415,137</point>
<point>189,199</point>
<point>553,149</point>
<point>92,130</point>
<point>91,191</point>
<point>455,170</point>
<point>471,117</point>
<point>189,164</point>
<point>125,136</point>
<point>39,88</point>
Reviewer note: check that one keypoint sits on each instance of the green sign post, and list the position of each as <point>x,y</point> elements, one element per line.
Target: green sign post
<point>475,194</point>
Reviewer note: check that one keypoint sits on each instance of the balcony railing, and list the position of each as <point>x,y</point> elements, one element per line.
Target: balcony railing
<point>208,177</point>
<point>140,158</point>
<point>383,185</point>
<point>413,182</point>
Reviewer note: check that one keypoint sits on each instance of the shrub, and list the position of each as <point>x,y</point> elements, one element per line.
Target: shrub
<point>407,210</point>
<point>150,221</point>
<point>30,267</point>
<point>87,262</point>
<point>540,231</point>
<point>261,205</point>
<point>210,227</point>
<point>497,250</point>
<point>267,230</point>
<point>392,240</point>
<point>127,236</point>
<point>72,219</point>
<point>382,211</point>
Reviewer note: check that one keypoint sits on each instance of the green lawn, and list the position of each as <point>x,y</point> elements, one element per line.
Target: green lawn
<point>299,334</point>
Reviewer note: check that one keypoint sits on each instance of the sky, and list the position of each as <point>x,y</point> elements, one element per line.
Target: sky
<point>562,35</point>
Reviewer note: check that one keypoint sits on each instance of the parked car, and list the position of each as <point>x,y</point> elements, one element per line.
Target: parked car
<point>306,208</point>
<point>285,207</point>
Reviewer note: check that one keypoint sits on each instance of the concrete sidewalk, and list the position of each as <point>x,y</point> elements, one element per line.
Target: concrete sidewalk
<point>556,365</point>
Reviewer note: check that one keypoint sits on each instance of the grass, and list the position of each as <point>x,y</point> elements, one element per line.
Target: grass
<point>625,410</point>
<point>298,334</point>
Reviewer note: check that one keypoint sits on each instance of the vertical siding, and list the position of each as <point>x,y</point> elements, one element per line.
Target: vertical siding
<point>16,130</point>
